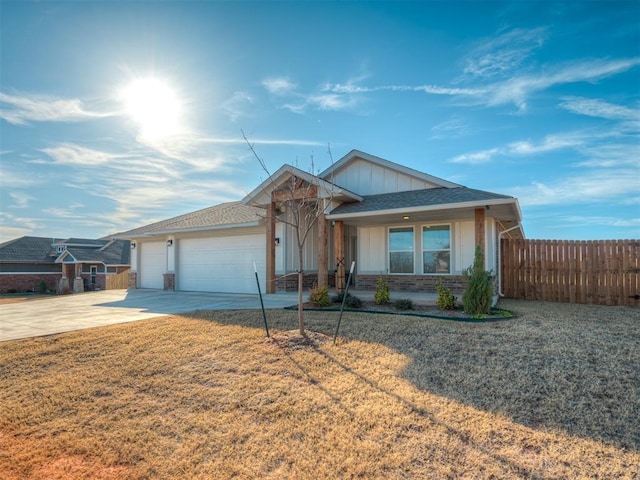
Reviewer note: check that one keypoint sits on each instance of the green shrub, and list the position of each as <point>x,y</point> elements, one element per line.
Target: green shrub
<point>42,287</point>
<point>319,296</point>
<point>382,291</point>
<point>352,301</point>
<point>403,304</point>
<point>477,297</point>
<point>446,300</point>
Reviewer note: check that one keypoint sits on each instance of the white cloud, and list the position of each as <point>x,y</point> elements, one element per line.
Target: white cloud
<point>332,101</point>
<point>279,85</point>
<point>548,144</point>
<point>594,186</point>
<point>238,106</point>
<point>21,199</point>
<point>15,179</point>
<point>583,220</point>
<point>350,88</point>
<point>517,89</point>
<point>578,140</point>
<point>599,108</point>
<point>452,128</point>
<point>611,154</point>
<point>504,53</point>
<point>474,158</point>
<point>72,154</point>
<point>20,110</point>
<point>9,230</point>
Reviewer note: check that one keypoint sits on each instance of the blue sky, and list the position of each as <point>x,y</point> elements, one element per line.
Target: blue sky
<point>117,114</point>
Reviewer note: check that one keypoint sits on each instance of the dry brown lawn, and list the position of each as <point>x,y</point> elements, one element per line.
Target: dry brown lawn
<point>553,393</point>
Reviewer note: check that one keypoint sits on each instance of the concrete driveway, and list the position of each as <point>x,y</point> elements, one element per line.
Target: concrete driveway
<point>94,309</point>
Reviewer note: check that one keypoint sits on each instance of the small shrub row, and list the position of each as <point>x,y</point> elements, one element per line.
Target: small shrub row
<point>319,296</point>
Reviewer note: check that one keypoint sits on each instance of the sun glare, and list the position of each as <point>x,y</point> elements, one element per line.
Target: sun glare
<point>154,106</point>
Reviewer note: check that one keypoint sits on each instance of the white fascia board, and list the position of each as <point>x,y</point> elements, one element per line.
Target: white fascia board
<point>64,255</point>
<point>428,208</point>
<point>197,229</point>
<point>387,164</point>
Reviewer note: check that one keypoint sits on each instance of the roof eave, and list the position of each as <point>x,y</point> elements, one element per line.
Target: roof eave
<point>194,229</point>
<point>428,208</point>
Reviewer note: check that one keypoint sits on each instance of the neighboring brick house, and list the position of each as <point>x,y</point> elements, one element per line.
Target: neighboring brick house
<point>64,265</point>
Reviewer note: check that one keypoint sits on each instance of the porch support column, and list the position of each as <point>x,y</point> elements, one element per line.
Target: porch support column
<point>271,248</point>
<point>480,230</point>
<point>338,242</point>
<point>323,251</point>
<point>78,283</point>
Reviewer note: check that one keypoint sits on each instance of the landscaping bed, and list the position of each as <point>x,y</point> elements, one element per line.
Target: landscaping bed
<point>416,310</point>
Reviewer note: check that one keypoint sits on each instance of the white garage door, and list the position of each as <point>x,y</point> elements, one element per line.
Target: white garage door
<point>153,264</point>
<point>221,264</point>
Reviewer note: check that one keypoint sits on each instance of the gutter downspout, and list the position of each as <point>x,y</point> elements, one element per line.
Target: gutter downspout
<point>500,293</point>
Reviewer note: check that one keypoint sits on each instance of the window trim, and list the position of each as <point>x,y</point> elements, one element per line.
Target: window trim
<point>413,249</point>
<point>450,249</point>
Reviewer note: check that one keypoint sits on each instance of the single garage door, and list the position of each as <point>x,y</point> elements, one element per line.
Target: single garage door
<point>153,264</point>
<point>221,264</point>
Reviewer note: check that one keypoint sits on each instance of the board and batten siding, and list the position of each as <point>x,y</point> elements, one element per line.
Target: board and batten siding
<point>372,250</point>
<point>287,251</point>
<point>366,178</point>
<point>373,246</point>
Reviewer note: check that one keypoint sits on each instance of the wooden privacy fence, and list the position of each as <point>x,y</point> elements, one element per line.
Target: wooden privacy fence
<point>598,272</point>
<point>118,281</point>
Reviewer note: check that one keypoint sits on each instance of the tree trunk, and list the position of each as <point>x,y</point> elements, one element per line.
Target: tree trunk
<point>300,304</point>
<point>300,287</point>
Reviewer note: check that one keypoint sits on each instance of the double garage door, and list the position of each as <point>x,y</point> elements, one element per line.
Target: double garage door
<point>212,264</point>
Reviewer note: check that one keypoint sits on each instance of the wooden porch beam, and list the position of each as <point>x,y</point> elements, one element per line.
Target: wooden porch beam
<point>323,251</point>
<point>271,248</point>
<point>338,242</point>
<point>479,227</point>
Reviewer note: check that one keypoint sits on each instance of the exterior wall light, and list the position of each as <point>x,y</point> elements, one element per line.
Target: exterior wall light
<point>277,241</point>
<point>133,245</point>
<point>169,243</point>
<point>405,217</point>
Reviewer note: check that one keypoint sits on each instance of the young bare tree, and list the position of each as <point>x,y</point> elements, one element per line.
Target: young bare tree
<point>303,202</point>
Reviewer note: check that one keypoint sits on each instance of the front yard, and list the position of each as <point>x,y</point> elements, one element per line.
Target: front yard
<point>553,393</point>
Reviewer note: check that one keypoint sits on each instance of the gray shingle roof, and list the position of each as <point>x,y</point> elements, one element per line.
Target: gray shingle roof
<point>230,213</point>
<point>28,249</point>
<point>113,253</point>
<point>417,198</point>
<point>39,250</point>
<point>84,241</point>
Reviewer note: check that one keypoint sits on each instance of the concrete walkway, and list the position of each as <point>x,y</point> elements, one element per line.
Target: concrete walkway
<point>47,316</point>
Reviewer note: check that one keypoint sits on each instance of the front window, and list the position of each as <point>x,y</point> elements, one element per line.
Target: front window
<point>436,249</point>
<point>401,250</point>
